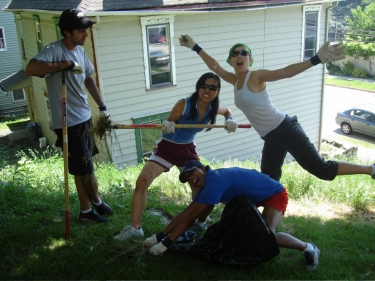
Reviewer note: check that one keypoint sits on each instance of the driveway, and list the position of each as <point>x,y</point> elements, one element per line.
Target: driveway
<point>338,99</point>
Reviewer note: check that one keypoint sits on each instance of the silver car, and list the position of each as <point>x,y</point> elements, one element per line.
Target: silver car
<point>360,119</point>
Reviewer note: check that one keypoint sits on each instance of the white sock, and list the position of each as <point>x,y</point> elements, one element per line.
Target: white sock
<point>99,203</point>
<point>309,247</point>
<point>86,211</point>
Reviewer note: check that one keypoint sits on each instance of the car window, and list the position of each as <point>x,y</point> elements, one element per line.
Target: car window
<point>371,118</point>
<point>359,114</point>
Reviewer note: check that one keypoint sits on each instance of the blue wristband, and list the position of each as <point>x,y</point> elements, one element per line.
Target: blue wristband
<point>197,49</point>
<point>102,108</point>
<point>315,60</point>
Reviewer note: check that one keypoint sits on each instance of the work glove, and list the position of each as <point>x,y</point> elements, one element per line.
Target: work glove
<point>158,249</point>
<point>187,41</point>
<point>329,52</point>
<point>151,241</point>
<point>74,68</point>
<point>168,127</point>
<point>230,125</point>
<point>103,112</point>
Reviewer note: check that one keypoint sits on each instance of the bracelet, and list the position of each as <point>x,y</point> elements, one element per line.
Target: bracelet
<point>315,60</point>
<point>102,108</point>
<point>166,242</point>
<point>197,49</point>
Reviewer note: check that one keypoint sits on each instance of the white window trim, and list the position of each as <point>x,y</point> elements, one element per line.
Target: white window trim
<point>145,21</point>
<point>310,9</point>
<point>4,40</point>
<point>21,36</point>
<point>20,100</point>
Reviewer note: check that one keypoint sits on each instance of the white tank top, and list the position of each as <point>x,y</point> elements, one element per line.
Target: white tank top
<point>258,108</point>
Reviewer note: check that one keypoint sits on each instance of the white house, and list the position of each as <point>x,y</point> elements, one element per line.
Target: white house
<point>12,100</point>
<point>142,71</point>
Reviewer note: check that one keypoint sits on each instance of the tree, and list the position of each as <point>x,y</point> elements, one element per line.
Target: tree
<point>362,22</point>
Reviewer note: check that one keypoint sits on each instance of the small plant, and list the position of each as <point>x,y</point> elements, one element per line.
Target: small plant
<point>348,68</point>
<point>359,73</point>
<point>334,69</point>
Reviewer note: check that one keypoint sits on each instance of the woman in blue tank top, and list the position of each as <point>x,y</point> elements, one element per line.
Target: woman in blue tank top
<point>281,133</point>
<point>177,145</point>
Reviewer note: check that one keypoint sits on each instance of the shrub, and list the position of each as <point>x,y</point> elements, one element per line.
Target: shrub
<point>359,73</point>
<point>333,69</point>
<point>348,68</point>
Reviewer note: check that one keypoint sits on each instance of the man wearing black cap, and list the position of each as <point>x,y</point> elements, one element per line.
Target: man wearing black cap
<point>221,186</point>
<point>68,55</point>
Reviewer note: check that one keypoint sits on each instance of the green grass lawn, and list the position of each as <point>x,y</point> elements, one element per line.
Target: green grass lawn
<point>352,83</point>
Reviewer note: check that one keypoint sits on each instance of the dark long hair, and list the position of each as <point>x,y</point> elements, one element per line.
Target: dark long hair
<point>214,103</point>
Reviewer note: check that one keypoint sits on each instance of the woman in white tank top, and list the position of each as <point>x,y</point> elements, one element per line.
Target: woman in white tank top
<point>280,132</point>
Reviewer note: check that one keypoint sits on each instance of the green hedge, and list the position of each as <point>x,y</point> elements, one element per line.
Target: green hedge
<point>358,49</point>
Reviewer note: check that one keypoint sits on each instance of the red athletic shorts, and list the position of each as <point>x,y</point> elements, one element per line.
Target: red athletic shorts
<point>278,201</point>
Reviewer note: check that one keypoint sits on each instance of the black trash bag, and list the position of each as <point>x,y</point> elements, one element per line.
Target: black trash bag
<point>241,237</point>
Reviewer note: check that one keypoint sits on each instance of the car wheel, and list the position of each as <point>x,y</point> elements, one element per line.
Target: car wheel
<point>346,128</point>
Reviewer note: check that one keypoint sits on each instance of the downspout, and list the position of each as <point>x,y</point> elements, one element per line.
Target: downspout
<point>98,80</point>
<point>324,77</point>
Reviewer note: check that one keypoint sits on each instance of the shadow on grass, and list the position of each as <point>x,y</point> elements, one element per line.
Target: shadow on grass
<point>33,245</point>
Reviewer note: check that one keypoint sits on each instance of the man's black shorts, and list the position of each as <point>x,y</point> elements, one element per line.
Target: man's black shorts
<point>81,147</point>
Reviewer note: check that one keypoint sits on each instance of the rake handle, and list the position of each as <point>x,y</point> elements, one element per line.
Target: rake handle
<point>178,126</point>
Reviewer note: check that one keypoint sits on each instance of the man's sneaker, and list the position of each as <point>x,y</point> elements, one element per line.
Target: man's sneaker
<point>198,226</point>
<point>103,209</point>
<point>91,217</point>
<point>312,258</point>
<point>129,232</point>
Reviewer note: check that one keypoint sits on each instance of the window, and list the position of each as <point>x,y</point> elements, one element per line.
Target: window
<point>3,45</point>
<point>310,31</point>
<point>18,95</point>
<point>146,138</point>
<point>21,37</point>
<point>157,33</point>
<point>38,33</point>
<point>58,32</point>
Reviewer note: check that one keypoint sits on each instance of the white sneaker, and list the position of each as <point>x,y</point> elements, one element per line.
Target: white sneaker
<point>129,232</point>
<point>312,258</point>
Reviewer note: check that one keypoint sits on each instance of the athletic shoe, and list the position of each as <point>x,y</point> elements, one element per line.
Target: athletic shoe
<point>312,258</point>
<point>103,209</point>
<point>91,217</point>
<point>198,226</point>
<point>129,232</point>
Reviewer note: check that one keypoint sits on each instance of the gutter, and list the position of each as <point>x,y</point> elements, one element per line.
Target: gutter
<point>324,76</point>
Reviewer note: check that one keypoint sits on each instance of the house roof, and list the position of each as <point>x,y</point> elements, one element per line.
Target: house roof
<point>131,5</point>
<point>17,80</point>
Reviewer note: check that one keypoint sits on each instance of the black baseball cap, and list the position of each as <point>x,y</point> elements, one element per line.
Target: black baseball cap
<point>74,19</point>
<point>188,166</point>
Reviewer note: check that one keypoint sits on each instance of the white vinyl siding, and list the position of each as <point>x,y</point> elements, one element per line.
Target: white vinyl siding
<point>3,44</point>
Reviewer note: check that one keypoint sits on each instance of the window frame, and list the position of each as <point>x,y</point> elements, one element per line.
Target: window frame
<point>19,100</point>
<point>3,39</point>
<point>308,9</point>
<point>146,119</point>
<point>158,20</point>
<point>21,36</point>
<point>38,32</point>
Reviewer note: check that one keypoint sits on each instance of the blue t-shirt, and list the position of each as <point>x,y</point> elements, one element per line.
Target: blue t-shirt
<point>222,185</point>
<point>187,135</point>
<point>78,108</point>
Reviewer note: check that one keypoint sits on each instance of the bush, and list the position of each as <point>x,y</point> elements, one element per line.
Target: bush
<point>359,73</point>
<point>348,68</point>
<point>334,69</point>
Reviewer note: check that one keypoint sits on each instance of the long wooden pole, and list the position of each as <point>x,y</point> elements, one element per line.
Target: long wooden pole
<point>66,153</point>
<point>158,126</point>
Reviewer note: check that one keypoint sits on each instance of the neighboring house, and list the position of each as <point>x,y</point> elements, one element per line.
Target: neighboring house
<point>12,100</point>
<point>142,71</point>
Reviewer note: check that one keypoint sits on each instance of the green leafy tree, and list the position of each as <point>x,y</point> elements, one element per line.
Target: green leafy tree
<point>363,22</point>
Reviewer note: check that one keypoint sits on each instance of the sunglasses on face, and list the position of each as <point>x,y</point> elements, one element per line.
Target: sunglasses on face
<point>210,87</point>
<point>241,52</point>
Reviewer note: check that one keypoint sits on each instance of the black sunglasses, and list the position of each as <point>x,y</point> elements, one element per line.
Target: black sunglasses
<point>211,87</point>
<point>241,52</point>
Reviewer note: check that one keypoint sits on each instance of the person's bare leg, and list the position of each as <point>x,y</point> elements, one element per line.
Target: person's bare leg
<point>150,171</point>
<point>273,218</point>
<point>86,188</point>
<point>346,168</point>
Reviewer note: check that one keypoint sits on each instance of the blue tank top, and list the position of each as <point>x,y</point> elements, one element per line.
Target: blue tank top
<point>187,135</point>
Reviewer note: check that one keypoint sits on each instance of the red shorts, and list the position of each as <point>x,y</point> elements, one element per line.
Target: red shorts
<point>278,201</point>
<point>167,153</point>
